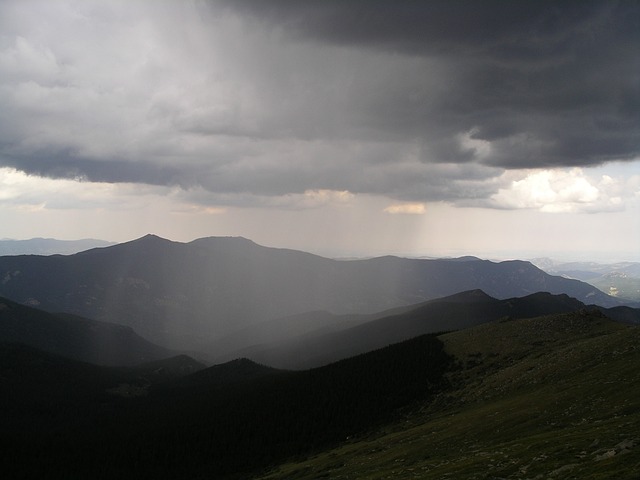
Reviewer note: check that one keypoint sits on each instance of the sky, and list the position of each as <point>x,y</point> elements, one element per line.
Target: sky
<point>344,128</point>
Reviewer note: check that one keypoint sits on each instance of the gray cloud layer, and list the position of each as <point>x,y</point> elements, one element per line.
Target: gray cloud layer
<point>551,83</point>
<point>408,99</point>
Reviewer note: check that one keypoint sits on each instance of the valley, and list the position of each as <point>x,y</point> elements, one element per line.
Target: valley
<point>620,280</point>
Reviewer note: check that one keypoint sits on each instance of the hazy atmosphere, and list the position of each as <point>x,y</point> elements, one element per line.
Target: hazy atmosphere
<point>296,239</point>
<point>498,129</point>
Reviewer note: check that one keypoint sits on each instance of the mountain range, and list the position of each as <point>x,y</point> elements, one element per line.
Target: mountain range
<point>513,398</point>
<point>296,342</point>
<point>48,246</point>
<point>362,376</point>
<point>455,312</point>
<point>620,280</point>
<point>188,295</point>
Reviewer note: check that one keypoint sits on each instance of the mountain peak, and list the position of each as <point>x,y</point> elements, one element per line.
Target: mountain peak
<point>148,243</point>
<point>151,237</point>
<point>469,296</point>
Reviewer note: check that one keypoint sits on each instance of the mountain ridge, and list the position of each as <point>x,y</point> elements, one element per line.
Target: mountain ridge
<point>74,337</point>
<point>49,246</point>
<point>456,312</point>
<point>181,295</point>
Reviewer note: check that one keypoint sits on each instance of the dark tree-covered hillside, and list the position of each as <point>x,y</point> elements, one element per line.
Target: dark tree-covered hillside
<point>216,428</point>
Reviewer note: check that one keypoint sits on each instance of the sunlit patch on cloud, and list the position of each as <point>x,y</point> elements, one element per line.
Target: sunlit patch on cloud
<point>323,196</point>
<point>310,199</point>
<point>17,189</point>
<point>406,208</point>
<point>199,197</point>
<point>193,209</point>
<point>561,191</point>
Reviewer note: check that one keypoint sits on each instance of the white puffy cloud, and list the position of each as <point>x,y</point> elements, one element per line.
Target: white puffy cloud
<point>562,191</point>
<point>20,190</point>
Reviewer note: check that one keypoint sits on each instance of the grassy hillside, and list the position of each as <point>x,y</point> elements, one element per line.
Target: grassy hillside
<point>550,397</point>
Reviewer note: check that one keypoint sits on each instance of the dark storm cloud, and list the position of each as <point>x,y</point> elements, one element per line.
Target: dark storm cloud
<point>414,100</point>
<point>518,32</point>
<point>66,164</point>
<point>553,83</point>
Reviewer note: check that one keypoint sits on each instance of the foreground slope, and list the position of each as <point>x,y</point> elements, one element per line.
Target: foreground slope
<point>549,397</point>
<point>180,295</point>
<point>222,422</point>
<point>38,388</point>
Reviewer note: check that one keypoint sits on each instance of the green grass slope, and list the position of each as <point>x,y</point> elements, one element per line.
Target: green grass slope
<point>549,397</point>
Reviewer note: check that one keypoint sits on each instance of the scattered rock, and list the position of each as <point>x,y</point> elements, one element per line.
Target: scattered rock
<point>625,445</point>
<point>605,455</point>
<point>563,469</point>
<point>621,448</point>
